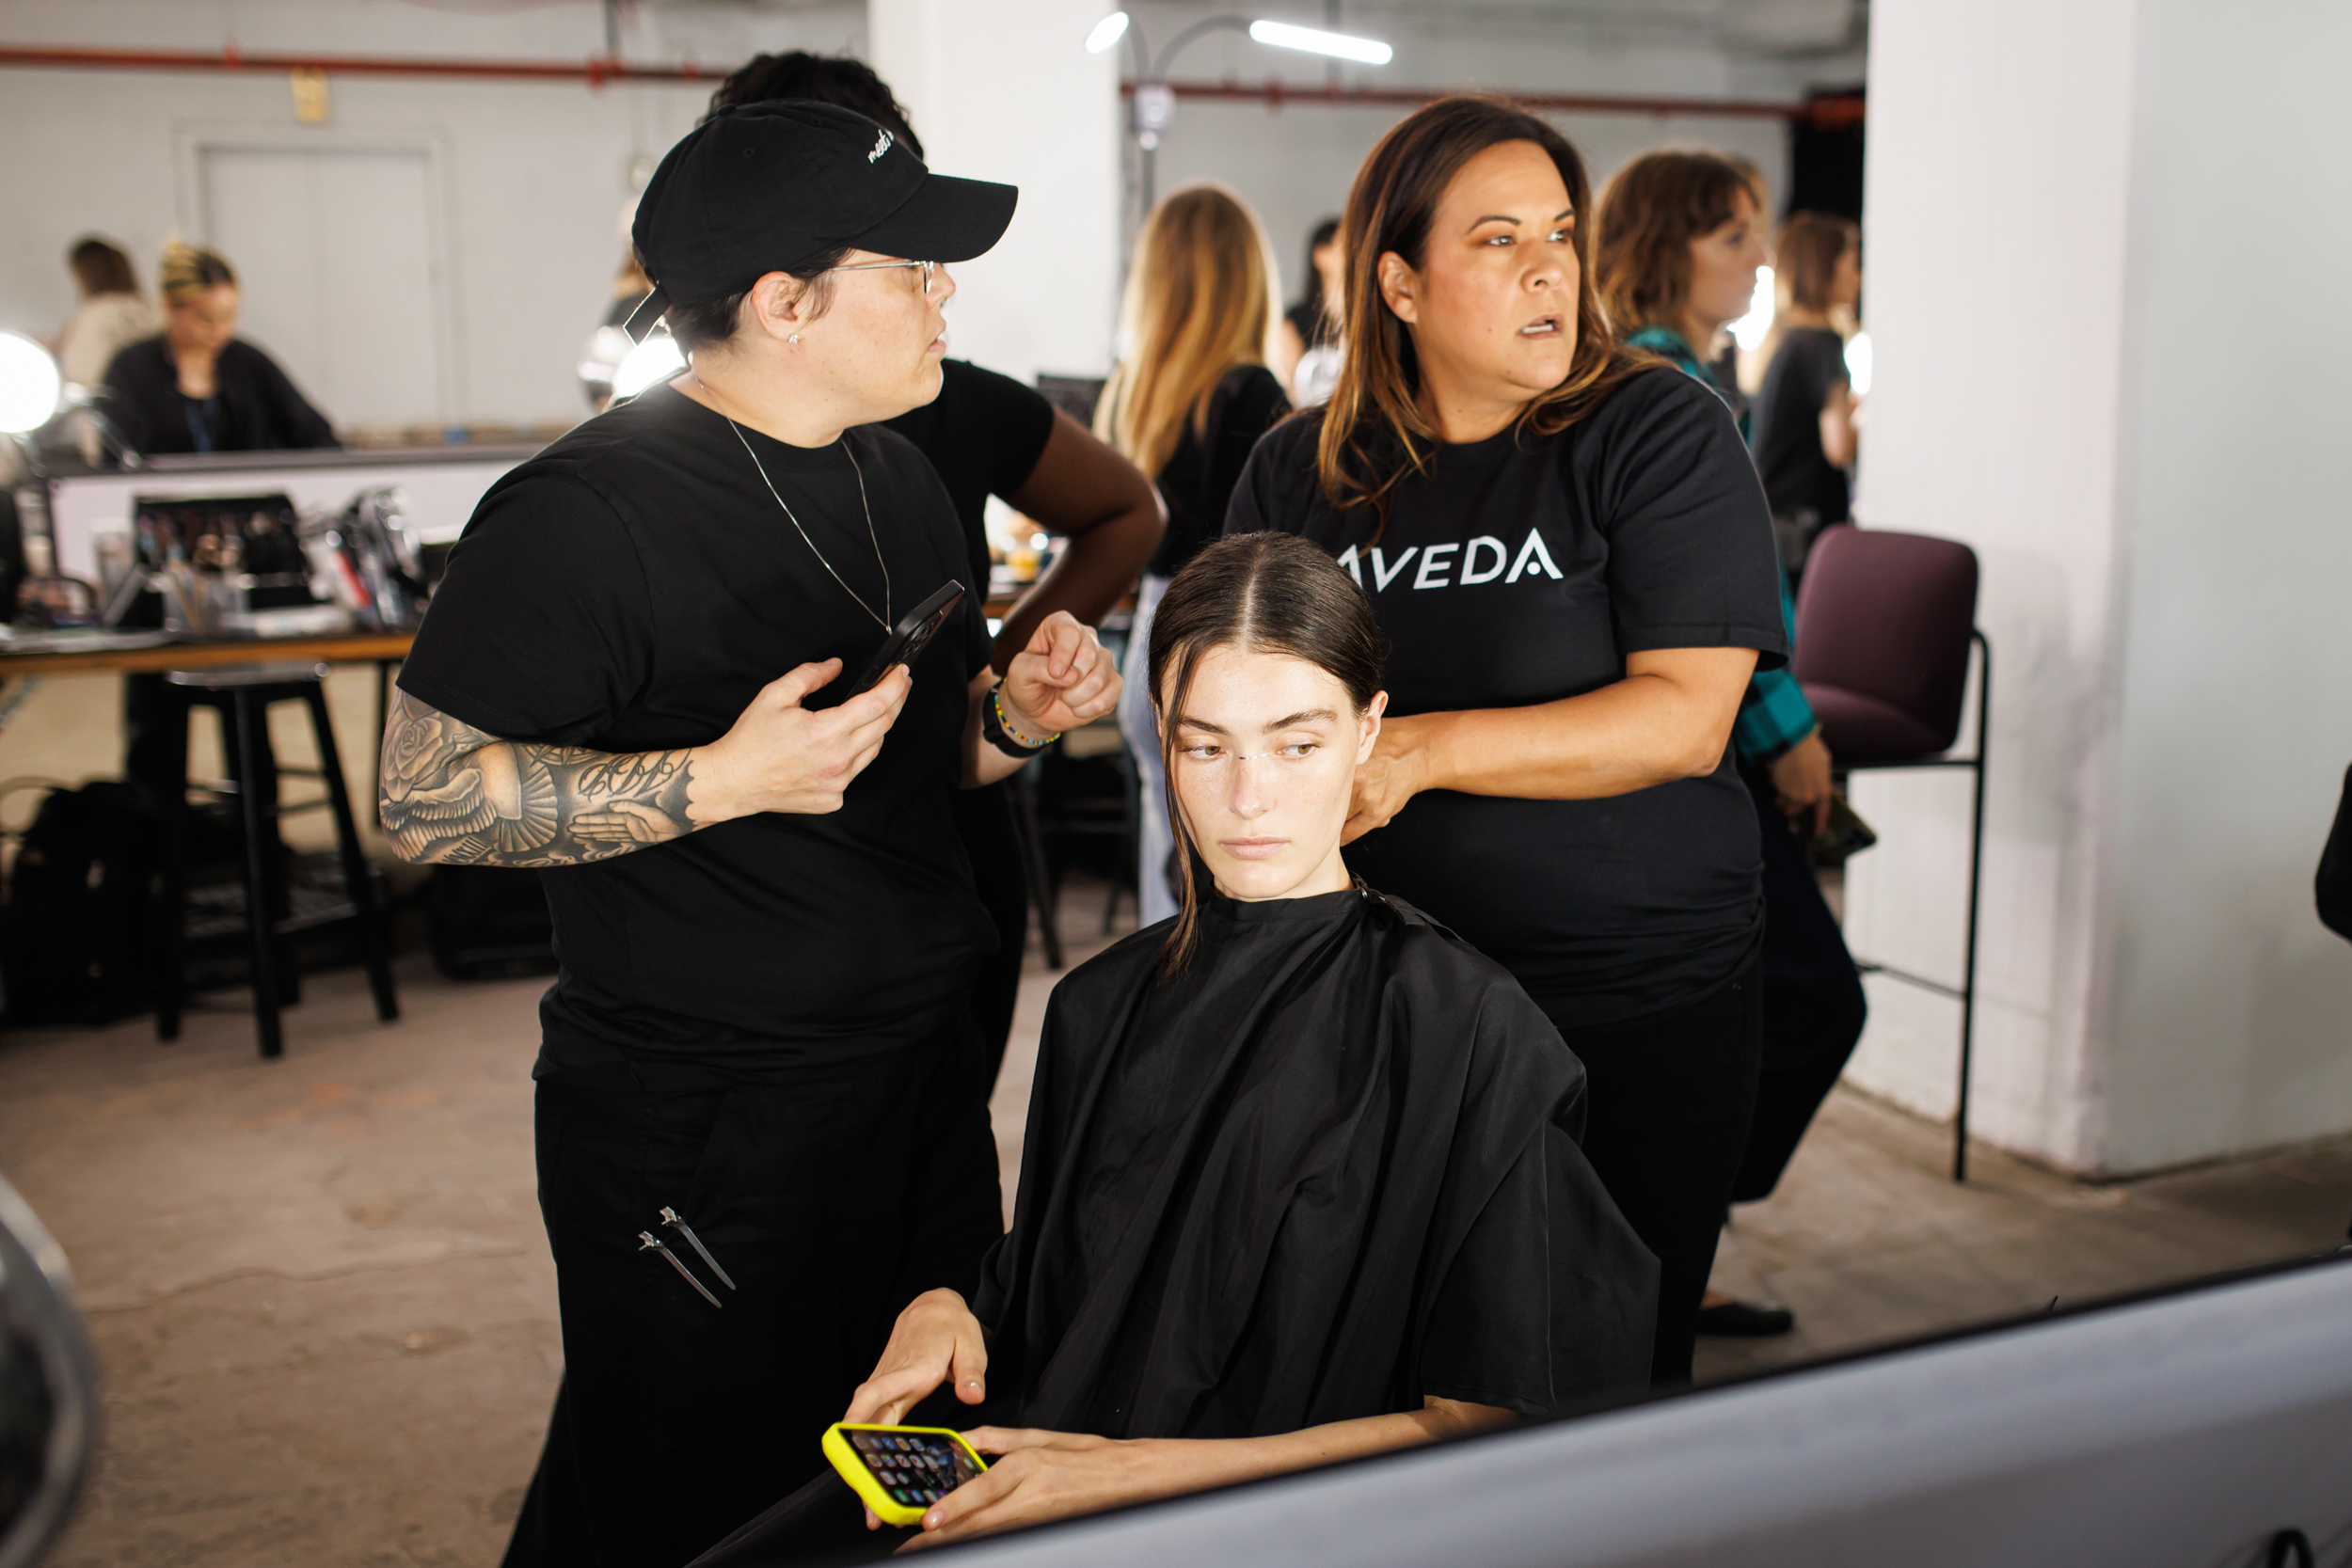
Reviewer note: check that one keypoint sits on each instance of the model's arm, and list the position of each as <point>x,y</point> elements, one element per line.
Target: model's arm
<point>1048,1475</point>
<point>1052,1475</point>
<point>455,795</point>
<point>1082,489</point>
<point>1837,425</point>
<point>1669,719</point>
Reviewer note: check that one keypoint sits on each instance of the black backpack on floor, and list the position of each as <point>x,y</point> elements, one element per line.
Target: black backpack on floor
<point>78,927</point>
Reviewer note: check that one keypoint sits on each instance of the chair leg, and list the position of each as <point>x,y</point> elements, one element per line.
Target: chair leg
<point>1043,895</point>
<point>172,917</point>
<point>1129,852</point>
<point>1976,879</point>
<point>248,717</point>
<point>358,885</point>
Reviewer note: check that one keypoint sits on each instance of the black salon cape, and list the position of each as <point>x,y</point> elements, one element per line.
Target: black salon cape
<point>1329,1170</point>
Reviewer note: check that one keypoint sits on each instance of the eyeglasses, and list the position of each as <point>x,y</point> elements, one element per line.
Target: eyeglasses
<point>930,270</point>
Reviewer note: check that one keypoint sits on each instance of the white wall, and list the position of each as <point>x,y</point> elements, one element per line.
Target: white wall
<point>1006,92</point>
<point>536,175</point>
<point>2065,250</point>
<point>2232,1013</point>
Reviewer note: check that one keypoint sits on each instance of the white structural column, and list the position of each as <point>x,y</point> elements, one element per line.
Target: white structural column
<point>2076,214</point>
<point>1005,90</point>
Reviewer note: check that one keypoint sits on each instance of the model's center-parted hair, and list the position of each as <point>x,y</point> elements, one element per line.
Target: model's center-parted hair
<point>1261,593</point>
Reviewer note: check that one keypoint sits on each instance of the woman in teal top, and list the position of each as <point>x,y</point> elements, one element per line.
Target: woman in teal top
<point>1681,236</point>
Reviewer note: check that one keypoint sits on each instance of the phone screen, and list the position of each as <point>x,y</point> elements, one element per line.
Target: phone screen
<point>916,1468</point>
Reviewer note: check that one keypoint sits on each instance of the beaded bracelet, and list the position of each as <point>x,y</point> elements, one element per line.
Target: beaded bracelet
<point>1006,737</point>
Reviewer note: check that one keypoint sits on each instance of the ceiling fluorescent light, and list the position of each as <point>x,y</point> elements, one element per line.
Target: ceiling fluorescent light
<point>1108,32</point>
<point>1283,36</point>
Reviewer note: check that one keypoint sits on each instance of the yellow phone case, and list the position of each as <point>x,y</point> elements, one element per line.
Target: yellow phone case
<point>886,1508</point>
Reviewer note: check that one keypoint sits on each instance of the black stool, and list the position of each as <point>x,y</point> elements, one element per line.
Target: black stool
<point>243,697</point>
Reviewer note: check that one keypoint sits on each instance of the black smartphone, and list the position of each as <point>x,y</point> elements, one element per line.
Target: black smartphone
<point>907,641</point>
<point>1847,835</point>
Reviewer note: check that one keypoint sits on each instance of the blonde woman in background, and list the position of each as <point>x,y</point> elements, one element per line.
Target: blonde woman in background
<point>1187,406</point>
<point>200,387</point>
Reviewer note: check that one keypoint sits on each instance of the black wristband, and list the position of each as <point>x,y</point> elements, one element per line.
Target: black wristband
<point>993,731</point>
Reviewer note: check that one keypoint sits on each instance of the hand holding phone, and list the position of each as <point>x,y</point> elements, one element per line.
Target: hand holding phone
<point>781,756</point>
<point>901,1471</point>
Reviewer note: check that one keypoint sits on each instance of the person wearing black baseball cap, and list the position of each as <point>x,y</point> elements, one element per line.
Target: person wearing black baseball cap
<point>989,435</point>
<point>762,1113</point>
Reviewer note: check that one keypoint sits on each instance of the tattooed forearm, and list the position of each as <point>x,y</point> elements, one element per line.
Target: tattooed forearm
<point>455,795</point>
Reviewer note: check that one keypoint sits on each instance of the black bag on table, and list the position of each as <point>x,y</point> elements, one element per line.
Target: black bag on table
<point>78,927</point>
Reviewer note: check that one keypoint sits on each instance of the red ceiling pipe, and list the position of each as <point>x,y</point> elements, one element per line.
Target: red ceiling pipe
<point>1837,111</point>
<point>231,59</point>
<point>1825,111</point>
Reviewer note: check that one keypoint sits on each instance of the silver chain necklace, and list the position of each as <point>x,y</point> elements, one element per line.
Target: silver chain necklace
<point>882,620</point>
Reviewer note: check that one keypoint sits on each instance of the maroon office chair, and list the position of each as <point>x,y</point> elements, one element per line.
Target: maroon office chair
<point>1884,624</point>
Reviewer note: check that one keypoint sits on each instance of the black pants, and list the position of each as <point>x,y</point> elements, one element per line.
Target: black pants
<point>1671,1095</point>
<point>984,821</point>
<point>832,1198</point>
<point>1813,1003</point>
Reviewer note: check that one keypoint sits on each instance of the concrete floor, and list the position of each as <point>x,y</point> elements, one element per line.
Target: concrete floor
<point>325,1313</point>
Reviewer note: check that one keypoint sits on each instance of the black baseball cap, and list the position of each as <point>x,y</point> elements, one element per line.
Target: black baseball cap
<point>773,187</point>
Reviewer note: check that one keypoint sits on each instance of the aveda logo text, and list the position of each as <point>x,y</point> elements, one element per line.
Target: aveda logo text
<point>1483,559</point>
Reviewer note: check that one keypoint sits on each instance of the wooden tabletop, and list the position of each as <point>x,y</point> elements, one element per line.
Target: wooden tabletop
<point>337,648</point>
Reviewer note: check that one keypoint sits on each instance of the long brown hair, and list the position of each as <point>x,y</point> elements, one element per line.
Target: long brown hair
<point>1653,209</point>
<point>100,268</point>
<point>1264,594</point>
<point>1201,300</point>
<point>1811,245</point>
<point>1375,432</point>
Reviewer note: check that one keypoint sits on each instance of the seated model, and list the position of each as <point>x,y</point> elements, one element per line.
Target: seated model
<point>1301,1180</point>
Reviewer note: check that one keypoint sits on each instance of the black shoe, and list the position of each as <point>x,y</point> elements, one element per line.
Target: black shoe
<point>1745,1319</point>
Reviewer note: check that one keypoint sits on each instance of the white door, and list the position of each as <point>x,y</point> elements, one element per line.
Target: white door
<point>336,252</point>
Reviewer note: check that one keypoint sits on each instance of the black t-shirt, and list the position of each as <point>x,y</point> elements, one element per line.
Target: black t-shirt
<point>630,589</point>
<point>1511,576</point>
<point>984,434</point>
<point>1198,480</point>
<point>1798,475</point>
